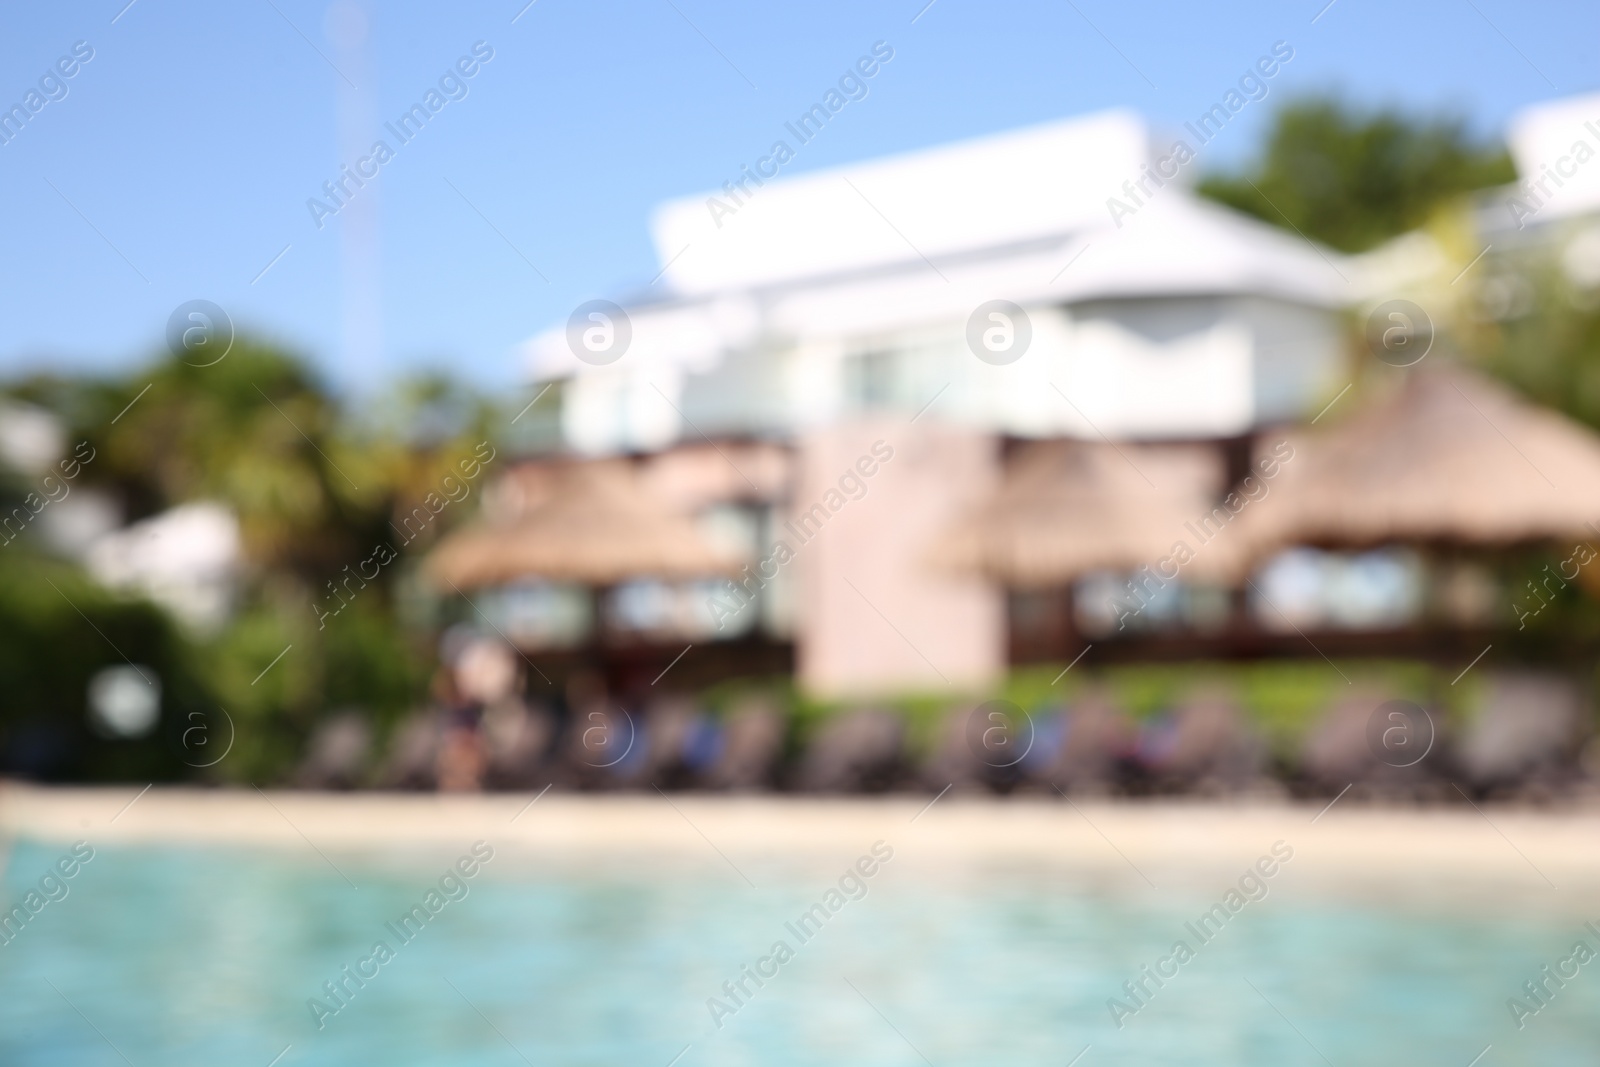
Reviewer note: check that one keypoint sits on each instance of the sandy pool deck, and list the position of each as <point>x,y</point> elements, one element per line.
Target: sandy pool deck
<point>1486,845</point>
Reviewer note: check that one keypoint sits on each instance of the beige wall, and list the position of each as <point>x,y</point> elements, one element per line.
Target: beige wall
<point>904,626</point>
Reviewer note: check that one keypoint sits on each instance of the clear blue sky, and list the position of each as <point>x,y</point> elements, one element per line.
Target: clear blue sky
<point>193,138</point>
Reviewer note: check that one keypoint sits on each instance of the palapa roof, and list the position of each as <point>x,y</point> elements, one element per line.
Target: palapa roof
<point>1065,508</point>
<point>1448,457</point>
<point>592,522</point>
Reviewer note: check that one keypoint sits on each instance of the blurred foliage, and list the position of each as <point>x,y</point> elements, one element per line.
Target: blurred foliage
<point>1354,179</point>
<point>1283,699</point>
<point>1533,321</point>
<point>315,490</point>
<point>1531,324</point>
<point>57,629</point>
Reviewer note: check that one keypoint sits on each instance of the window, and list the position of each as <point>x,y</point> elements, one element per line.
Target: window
<point>871,380</point>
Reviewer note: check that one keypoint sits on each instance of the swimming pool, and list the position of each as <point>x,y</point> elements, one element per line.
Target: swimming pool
<point>202,956</point>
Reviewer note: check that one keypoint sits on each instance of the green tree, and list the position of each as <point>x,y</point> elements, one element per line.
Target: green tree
<point>1538,328</point>
<point>1353,179</point>
<point>315,490</point>
<point>57,630</point>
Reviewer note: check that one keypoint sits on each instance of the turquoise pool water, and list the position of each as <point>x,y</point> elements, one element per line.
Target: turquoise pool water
<point>195,956</point>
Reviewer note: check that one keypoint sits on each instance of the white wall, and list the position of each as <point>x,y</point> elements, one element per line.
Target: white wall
<point>1151,369</point>
<point>1543,139</point>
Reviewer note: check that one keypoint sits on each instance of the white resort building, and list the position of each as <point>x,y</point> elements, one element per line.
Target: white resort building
<point>856,308</point>
<point>900,424</point>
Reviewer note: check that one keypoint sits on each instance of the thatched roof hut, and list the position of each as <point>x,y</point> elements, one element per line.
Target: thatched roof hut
<point>1065,508</point>
<point>1449,457</point>
<point>591,522</point>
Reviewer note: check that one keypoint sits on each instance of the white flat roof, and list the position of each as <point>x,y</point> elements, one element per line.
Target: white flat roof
<point>921,239</point>
<point>986,192</point>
